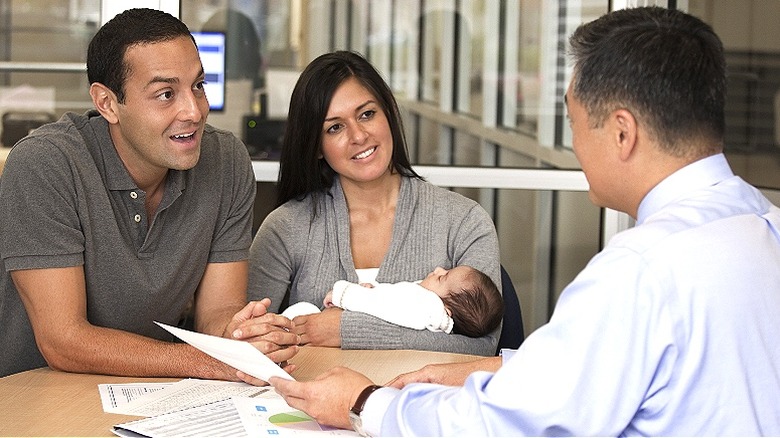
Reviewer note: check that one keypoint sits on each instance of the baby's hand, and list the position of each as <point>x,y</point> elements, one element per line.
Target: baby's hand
<point>370,285</point>
<point>328,301</point>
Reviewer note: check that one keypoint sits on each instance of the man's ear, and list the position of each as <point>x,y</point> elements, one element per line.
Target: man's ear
<point>626,132</point>
<point>105,101</point>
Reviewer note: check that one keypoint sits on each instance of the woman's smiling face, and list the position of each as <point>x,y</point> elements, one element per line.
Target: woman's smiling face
<point>356,138</point>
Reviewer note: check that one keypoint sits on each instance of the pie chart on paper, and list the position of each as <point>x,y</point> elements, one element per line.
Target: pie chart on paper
<point>295,420</point>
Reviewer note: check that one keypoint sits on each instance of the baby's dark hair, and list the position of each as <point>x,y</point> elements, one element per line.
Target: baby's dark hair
<point>477,308</point>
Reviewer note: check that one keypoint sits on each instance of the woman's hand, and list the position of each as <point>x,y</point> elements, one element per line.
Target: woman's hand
<point>320,329</point>
<point>451,374</point>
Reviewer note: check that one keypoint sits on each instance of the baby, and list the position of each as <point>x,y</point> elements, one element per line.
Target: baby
<point>461,300</point>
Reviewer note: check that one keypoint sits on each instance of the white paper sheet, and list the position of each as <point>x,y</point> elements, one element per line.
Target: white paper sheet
<point>115,396</point>
<point>262,414</point>
<point>270,415</point>
<point>240,355</point>
<point>212,420</point>
<point>185,394</point>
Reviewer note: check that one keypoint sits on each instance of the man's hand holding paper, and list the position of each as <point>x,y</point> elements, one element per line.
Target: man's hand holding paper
<point>270,333</point>
<point>240,355</point>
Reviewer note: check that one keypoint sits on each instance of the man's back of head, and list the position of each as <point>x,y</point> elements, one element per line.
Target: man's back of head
<point>665,66</point>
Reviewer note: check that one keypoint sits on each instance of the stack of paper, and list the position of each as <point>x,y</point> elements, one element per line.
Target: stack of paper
<point>195,407</point>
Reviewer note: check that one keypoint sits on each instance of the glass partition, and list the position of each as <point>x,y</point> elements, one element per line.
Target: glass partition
<point>42,55</point>
<point>480,83</point>
<point>751,39</point>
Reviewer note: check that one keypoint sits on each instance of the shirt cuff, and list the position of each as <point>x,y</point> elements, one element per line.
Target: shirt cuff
<point>339,287</point>
<point>375,409</point>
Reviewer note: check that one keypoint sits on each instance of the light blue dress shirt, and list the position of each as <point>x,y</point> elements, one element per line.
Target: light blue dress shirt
<point>672,329</point>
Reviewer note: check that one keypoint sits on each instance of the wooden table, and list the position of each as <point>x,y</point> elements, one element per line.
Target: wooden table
<point>43,402</point>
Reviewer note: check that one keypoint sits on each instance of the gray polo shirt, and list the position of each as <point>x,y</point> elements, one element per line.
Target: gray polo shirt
<point>66,199</point>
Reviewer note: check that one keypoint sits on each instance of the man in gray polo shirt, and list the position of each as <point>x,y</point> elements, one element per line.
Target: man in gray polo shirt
<point>125,215</point>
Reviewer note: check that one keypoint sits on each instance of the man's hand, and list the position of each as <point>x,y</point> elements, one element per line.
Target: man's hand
<point>451,374</point>
<point>270,333</point>
<point>321,329</point>
<point>328,398</point>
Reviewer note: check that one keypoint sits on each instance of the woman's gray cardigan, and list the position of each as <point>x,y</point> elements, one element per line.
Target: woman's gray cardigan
<point>433,227</point>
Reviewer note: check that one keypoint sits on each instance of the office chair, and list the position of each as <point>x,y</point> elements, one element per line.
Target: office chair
<point>512,334</point>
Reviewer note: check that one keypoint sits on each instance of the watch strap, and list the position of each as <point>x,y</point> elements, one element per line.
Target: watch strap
<point>361,400</point>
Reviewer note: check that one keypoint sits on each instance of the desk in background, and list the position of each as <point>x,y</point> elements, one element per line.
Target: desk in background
<point>43,402</point>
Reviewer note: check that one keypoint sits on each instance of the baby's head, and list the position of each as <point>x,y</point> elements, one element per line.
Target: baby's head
<point>471,298</point>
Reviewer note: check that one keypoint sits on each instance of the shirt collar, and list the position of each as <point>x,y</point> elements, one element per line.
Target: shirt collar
<point>118,178</point>
<point>697,175</point>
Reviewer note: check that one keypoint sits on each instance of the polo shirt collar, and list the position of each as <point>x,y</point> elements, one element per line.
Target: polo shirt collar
<point>117,177</point>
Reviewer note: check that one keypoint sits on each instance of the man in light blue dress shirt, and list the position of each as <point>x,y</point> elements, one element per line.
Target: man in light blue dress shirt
<point>673,328</point>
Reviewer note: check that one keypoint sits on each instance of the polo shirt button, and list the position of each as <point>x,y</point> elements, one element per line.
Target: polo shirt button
<point>137,218</point>
<point>133,195</point>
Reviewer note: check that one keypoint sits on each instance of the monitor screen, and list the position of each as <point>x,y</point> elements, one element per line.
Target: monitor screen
<point>211,46</point>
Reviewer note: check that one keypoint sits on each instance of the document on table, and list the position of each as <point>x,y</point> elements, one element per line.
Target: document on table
<point>216,419</point>
<point>272,416</point>
<point>240,355</point>
<point>265,414</point>
<point>184,394</point>
<point>115,396</point>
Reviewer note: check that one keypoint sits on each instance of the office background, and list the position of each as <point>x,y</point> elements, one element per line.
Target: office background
<point>480,83</point>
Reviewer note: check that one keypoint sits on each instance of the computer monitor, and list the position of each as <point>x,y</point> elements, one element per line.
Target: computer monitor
<point>211,46</point>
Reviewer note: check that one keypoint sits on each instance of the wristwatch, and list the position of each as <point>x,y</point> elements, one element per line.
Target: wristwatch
<point>354,413</point>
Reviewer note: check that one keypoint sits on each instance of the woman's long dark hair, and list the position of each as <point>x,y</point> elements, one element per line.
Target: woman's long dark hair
<point>301,170</point>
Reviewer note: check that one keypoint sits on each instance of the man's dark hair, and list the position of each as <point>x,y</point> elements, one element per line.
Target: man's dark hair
<point>665,66</point>
<point>106,52</point>
<point>476,309</point>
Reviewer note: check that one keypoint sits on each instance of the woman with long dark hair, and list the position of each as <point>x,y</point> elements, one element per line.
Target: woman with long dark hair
<point>351,207</point>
